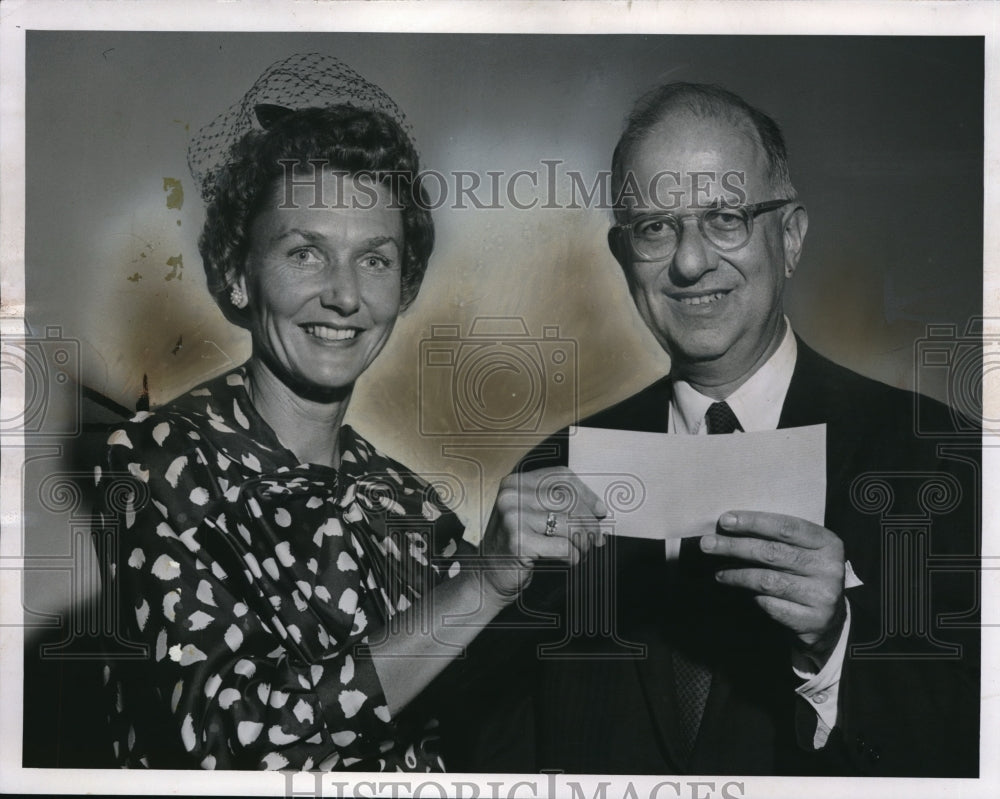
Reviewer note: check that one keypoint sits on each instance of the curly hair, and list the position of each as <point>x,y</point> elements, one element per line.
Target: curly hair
<point>342,137</point>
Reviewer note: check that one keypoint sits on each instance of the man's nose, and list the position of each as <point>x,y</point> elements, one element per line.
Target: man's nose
<point>341,289</point>
<point>694,255</point>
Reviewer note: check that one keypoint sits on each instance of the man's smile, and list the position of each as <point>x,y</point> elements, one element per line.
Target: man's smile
<point>692,298</point>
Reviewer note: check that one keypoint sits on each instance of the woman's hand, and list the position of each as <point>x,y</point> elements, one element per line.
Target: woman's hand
<point>521,529</point>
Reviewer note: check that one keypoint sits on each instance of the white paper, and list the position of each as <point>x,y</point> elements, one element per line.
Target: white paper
<point>674,486</point>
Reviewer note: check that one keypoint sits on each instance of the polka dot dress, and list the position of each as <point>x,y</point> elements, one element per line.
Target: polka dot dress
<point>258,586</point>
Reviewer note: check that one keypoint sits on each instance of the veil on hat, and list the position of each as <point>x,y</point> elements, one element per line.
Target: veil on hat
<point>307,80</point>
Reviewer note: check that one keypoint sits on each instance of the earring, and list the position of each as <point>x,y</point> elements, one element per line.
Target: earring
<point>237,297</point>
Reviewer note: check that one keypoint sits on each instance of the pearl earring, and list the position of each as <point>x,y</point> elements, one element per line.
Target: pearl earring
<point>237,297</point>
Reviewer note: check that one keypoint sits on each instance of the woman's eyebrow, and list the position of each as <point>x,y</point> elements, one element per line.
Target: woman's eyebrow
<point>308,235</point>
<point>312,237</point>
<point>378,241</point>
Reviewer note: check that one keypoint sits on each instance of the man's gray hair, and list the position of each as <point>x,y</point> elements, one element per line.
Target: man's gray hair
<point>703,100</point>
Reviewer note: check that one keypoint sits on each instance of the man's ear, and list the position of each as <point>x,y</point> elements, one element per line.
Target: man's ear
<point>794,234</point>
<point>619,247</point>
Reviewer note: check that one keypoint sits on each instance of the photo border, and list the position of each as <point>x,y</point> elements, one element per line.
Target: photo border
<point>728,18</point>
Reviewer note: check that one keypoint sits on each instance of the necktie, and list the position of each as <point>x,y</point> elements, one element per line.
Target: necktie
<point>692,679</point>
<point>720,419</point>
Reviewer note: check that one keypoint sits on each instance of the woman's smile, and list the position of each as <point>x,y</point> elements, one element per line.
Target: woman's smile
<point>327,334</point>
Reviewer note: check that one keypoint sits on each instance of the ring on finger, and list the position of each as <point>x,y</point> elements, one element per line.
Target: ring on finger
<point>550,524</point>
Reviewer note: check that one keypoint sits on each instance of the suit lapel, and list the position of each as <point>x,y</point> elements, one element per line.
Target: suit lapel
<point>816,395</point>
<point>645,412</point>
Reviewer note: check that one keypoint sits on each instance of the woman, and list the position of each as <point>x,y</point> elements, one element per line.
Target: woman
<point>270,558</point>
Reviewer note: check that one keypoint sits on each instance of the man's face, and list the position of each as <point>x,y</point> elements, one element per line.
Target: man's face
<point>717,314</point>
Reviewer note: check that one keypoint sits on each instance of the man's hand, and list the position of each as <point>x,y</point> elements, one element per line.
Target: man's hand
<point>516,534</point>
<point>794,568</point>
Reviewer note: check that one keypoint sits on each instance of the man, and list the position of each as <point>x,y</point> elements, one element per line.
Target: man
<point>772,646</point>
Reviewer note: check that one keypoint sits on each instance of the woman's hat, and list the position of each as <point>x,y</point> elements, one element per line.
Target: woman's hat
<point>308,80</point>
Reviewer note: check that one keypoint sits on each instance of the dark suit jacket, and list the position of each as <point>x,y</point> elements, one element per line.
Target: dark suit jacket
<point>601,700</point>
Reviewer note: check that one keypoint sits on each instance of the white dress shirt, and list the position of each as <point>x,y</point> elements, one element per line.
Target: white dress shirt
<point>757,404</point>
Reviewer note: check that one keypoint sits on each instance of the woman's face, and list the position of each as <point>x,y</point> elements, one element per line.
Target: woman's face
<point>323,284</point>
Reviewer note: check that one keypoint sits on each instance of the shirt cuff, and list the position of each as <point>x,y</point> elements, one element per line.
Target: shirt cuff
<point>821,689</point>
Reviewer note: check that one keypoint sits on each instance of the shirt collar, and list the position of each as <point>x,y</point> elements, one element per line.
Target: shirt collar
<point>757,403</point>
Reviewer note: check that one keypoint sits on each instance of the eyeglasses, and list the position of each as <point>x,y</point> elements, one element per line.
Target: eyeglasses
<point>654,237</point>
